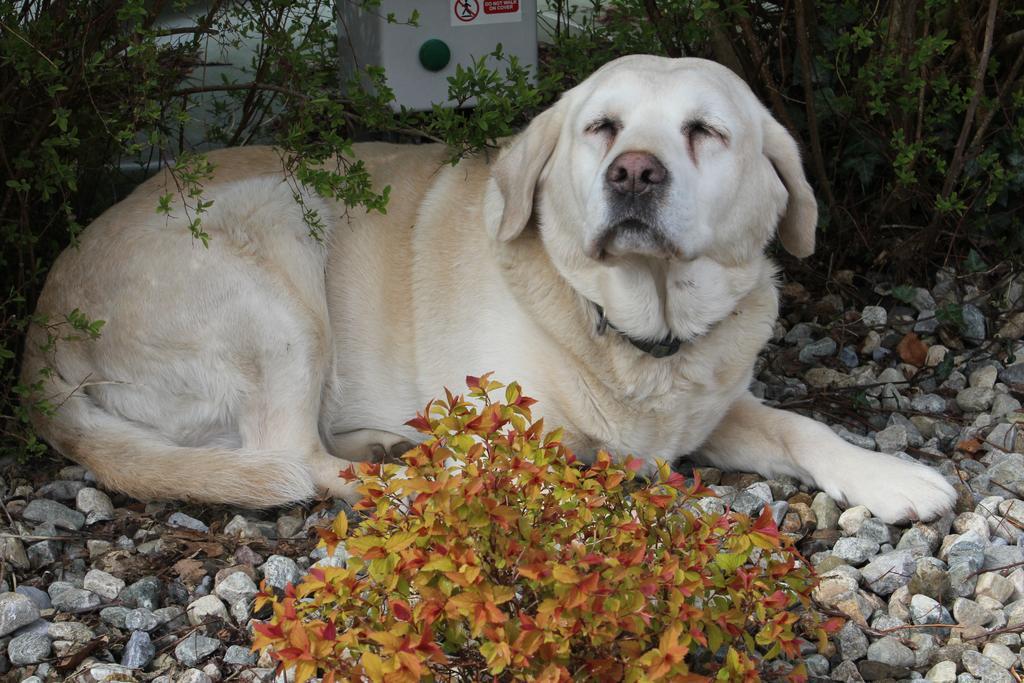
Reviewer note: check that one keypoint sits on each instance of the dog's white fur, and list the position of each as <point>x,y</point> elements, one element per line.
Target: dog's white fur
<point>240,373</point>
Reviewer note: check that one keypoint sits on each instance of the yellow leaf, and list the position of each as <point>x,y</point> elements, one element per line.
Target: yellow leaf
<point>340,525</point>
<point>400,541</point>
<point>373,666</point>
<point>565,574</point>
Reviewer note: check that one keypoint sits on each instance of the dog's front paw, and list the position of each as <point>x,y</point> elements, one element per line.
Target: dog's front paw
<point>894,490</point>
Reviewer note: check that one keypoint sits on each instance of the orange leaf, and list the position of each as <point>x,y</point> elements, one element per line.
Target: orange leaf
<point>912,350</point>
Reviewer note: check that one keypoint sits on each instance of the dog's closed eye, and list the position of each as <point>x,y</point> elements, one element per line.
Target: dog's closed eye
<point>605,125</point>
<point>698,131</point>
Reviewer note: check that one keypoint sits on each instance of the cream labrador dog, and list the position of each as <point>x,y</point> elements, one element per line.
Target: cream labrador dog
<point>611,260</point>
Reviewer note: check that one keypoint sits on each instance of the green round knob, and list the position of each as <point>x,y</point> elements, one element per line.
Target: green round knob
<point>435,54</point>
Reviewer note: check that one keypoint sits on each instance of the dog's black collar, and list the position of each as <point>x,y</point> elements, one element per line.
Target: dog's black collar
<point>662,348</point>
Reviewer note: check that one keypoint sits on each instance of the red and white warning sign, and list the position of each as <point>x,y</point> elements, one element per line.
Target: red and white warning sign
<point>476,12</point>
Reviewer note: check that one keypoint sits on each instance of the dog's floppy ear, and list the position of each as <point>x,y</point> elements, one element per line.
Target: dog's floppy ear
<point>796,228</point>
<point>518,169</point>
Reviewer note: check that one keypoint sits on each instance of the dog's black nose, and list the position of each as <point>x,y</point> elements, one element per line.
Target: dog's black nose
<point>635,173</point>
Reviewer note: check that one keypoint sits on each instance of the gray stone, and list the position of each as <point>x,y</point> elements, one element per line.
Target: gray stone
<point>143,593</point>
<point>943,672</point>
<point>46,510</point>
<point>103,584</point>
<point>71,631</point>
<point>1012,374</point>
<point>932,404</point>
<point>74,600</point>
<point>920,538</point>
<point>826,511</point>
<point>239,656</point>
<point>817,349</point>
<point>846,672</point>
<point>925,610</point>
<point>975,399</point>
<point>235,587</point>
<point>12,551</point>
<point>193,676</point>
<point>1003,405</point>
<point>240,526</point>
<point>988,670</point>
<point>974,324</point>
<point>892,439</point>
<point>874,529</point>
<point>923,300</point>
<point>173,617</point>
<point>855,551</point>
<point>43,553</point>
<point>998,556</point>
<point>969,613</point>
<point>278,571</point>
<point>141,619</point>
<point>95,505</point>
<point>889,650</point>
<point>114,616</point>
<point>799,333</point>
<point>747,503</point>
<point>194,648</point>
<point>885,573</point>
<point>852,642</point>
<point>60,489</point>
<point>183,521</point>
<point>1001,654</point>
<point>28,648</point>
<point>37,626</point>
<point>40,598</point>
<point>138,651</point>
<point>848,357</point>
<point>16,610</point>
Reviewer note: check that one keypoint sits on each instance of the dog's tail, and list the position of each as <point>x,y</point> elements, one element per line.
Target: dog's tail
<point>136,459</point>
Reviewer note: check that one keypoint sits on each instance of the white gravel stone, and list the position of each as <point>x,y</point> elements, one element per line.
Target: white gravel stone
<point>936,354</point>
<point>943,672</point>
<point>874,316</point>
<point>206,607</point>
<point>183,521</point>
<point>975,399</point>
<point>95,505</point>
<point>983,378</point>
<point>193,676</point>
<point>103,584</point>
<point>279,570</point>
<point>995,586</point>
<point>1001,654</point>
<point>851,519</point>
<point>235,587</point>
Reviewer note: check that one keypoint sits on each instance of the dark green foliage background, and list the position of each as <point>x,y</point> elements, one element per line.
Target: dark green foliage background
<point>909,113</point>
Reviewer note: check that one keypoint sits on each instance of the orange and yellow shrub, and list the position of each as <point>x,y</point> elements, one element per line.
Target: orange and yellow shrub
<point>493,554</point>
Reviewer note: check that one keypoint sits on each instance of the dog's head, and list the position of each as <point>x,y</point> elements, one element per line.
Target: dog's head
<point>661,158</point>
